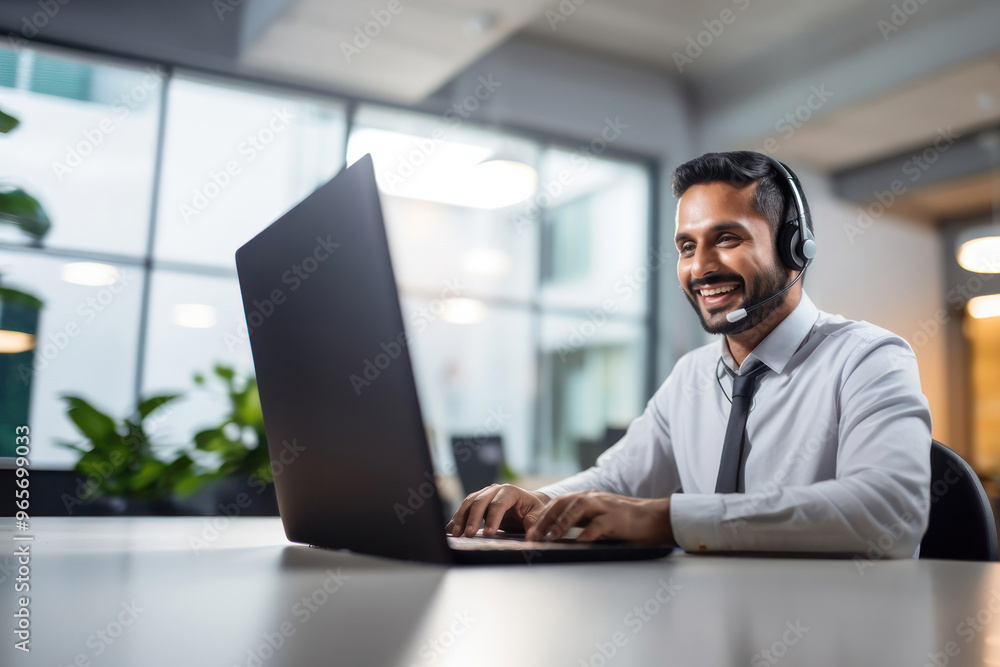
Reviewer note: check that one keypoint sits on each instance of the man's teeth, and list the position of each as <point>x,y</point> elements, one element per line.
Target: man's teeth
<point>721,290</point>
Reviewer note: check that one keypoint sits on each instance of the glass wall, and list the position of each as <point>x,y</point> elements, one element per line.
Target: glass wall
<point>521,263</point>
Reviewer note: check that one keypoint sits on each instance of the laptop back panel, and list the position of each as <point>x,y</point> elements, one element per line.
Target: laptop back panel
<point>343,422</point>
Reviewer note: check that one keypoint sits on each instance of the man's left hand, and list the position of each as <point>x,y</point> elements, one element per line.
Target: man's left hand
<point>605,516</point>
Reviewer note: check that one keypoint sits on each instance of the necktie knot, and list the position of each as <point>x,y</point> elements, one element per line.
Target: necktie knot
<point>744,385</point>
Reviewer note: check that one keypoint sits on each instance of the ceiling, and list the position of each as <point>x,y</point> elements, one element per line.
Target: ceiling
<point>730,57</point>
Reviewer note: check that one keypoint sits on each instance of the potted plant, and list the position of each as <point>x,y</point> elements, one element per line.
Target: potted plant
<point>121,465</point>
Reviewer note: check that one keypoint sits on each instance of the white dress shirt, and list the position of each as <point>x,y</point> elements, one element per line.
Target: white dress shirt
<point>837,455</point>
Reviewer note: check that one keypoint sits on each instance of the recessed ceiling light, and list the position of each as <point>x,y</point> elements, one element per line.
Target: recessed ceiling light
<point>194,316</point>
<point>980,255</point>
<point>486,262</point>
<point>463,311</point>
<point>89,274</point>
<point>981,307</point>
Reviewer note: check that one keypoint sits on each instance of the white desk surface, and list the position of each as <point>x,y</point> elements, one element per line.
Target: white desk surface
<point>134,592</point>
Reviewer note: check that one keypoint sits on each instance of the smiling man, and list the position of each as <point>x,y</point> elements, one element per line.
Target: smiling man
<point>796,431</point>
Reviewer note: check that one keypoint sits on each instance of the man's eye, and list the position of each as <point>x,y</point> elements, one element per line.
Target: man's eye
<point>727,236</point>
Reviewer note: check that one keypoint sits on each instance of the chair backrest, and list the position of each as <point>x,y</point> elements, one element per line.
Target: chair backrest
<point>961,523</point>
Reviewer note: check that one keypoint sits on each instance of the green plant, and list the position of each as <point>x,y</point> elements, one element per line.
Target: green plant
<point>121,459</point>
<point>243,423</point>
<point>17,206</point>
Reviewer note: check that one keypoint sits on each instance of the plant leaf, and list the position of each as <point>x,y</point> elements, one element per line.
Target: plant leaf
<point>93,423</point>
<point>7,123</point>
<point>151,404</point>
<point>20,208</point>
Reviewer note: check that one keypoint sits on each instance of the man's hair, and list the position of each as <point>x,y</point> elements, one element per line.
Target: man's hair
<point>772,199</point>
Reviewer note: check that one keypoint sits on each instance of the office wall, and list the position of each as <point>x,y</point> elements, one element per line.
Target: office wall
<point>889,272</point>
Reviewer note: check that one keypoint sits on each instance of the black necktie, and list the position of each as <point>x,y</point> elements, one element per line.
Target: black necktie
<point>732,449</point>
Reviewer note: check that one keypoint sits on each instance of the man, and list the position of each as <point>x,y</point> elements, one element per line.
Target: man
<point>835,452</point>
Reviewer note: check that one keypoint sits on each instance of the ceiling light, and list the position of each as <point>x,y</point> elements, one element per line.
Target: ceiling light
<point>442,170</point>
<point>89,274</point>
<point>978,247</point>
<point>981,307</point>
<point>13,342</point>
<point>486,262</point>
<point>499,183</point>
<point>194,315</point>
<point>463,311</point>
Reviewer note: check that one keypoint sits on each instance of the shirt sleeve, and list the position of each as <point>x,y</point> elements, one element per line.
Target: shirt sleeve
<point>879,501</point>
<point>641,464</point>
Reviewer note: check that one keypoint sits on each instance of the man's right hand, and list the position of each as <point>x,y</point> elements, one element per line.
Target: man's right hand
<point>501,506</point>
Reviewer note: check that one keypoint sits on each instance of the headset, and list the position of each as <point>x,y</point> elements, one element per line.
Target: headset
<point>796,242</point>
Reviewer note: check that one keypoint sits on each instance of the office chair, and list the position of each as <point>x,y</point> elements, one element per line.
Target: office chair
<point>961,525</point>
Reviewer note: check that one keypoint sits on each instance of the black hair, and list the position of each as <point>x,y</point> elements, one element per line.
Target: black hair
<point>772,199</point>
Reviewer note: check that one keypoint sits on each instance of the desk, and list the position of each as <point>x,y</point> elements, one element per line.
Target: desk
<point>182,592</point>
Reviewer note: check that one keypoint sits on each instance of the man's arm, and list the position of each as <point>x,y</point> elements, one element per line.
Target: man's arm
<point>880,496</point>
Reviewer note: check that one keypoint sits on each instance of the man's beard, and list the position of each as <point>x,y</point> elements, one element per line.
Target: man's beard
<point>767,284</point>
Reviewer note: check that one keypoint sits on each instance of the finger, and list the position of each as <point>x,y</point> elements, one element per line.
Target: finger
<point>553,518</point>
<point>599,527</point>
<point>496,509</point>
<point>461,518</point>
<point>478,509</point>
<point>535,532</point>
<point>578,510</point>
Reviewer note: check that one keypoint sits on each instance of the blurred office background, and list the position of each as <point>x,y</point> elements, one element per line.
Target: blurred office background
<point>523,151</point>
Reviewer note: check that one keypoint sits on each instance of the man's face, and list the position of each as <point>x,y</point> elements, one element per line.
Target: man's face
<point>724,243</point>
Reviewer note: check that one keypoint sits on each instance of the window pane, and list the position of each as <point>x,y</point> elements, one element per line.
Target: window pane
<point>595,234</point>
<point>86,345</point>
<point>592,383</point>
<point>235,159</point>
<point>195,322</point>
<point>449,194</point>
<point>85,148</point>
<point>474,378</point>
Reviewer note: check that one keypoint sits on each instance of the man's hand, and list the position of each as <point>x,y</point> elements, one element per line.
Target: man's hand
<point>605,516</point>
<point>502,506</point>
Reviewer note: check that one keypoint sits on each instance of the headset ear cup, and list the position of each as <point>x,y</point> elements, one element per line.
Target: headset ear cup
<point>788,246</point>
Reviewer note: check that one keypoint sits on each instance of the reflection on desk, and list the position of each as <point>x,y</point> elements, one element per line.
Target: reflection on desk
<point>224,592</point>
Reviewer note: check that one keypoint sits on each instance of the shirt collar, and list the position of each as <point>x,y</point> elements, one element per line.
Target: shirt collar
<point>779,345</point>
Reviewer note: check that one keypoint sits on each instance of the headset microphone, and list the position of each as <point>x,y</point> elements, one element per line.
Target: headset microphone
<point>738,315</point>
<point>796,243</point>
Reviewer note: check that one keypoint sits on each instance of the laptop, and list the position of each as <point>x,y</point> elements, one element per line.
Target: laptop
<point>340,406</point>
